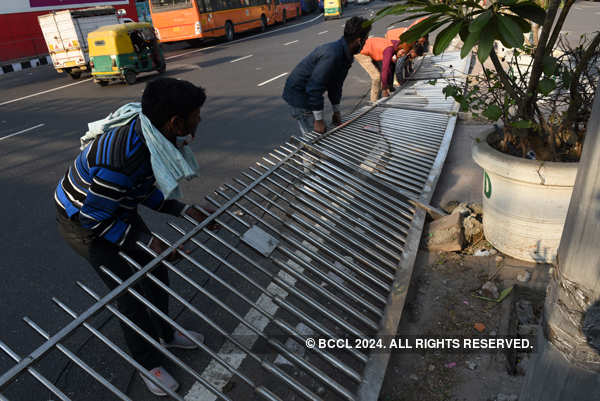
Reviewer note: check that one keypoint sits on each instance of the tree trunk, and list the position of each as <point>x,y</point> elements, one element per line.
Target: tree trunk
<point>574,106</point>
<point>568,362</point>
<point>526,107</point>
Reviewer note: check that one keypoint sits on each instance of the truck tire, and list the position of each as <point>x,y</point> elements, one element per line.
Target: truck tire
<point>229,32</point>
<point>75,73</point>
<point>129,77</point>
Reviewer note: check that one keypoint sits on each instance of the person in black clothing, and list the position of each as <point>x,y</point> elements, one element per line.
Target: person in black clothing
<point>324,69</point>
<point>97,212</point>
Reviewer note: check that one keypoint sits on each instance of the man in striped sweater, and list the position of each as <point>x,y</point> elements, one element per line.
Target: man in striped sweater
<point>97,211</point>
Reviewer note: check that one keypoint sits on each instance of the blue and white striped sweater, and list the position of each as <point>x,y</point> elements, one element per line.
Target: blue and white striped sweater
<point>108,180</point>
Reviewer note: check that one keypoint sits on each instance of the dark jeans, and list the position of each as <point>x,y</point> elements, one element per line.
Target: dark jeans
<point>100,252</point>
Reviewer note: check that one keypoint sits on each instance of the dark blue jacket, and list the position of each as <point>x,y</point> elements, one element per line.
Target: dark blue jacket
<point>324,69</point>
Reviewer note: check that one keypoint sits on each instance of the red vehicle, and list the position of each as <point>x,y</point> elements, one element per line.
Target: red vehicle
<point>21,36</point>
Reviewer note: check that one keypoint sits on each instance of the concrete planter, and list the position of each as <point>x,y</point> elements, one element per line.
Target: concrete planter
<point>525,202</point>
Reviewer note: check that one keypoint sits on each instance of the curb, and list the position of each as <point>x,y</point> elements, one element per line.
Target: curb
<point>31,63</point>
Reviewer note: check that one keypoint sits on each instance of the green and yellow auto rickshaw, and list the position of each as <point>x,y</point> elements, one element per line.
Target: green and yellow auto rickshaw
<point>332,9</point>
<point>120,52</point>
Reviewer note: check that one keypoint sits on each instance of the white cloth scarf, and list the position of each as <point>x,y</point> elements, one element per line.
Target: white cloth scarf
<point>170,165</point>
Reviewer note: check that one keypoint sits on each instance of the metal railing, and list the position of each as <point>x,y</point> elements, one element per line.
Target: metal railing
<point>317,240</point>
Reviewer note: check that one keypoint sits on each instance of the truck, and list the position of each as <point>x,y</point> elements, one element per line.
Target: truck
<point>65,33</point>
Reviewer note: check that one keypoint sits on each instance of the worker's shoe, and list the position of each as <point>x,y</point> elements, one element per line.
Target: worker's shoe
<point>180,341</point>
<point>162,376</point>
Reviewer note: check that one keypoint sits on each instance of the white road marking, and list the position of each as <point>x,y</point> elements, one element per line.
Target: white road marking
<point>241,58</point>
<point>21,132</point>
<point>214,372</point>
<point>42,92</point>
<point>190,52</point>
<point>321,33</point>
<point>289,43</point>
<point>167,58</point>
<point>272,79</point>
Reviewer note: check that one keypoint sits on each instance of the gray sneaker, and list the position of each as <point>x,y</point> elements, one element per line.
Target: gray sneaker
<point>164,377</point>
<point>180,341</point>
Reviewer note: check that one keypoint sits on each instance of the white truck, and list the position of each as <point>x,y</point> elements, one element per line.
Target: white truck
<point>66,33</point>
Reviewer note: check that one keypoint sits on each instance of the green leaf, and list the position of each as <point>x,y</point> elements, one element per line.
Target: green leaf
<point>392,10</point>
<point>413,16</point>
<point>440,8</point>
<point>443,39</point>
<point>530,11</point>
<point>415,32</point>
<point>492,112</point>
<point>504,294</point>
<point>522,124</point>
<point>550,65</point>
<point>523,24</point>
<point>546,86</point>
<point>481,21</point>
<point>486,42</point>
<point>469,43</point>
<point>509,31</point>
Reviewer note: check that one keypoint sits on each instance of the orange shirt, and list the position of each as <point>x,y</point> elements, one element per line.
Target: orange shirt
<point>394,34</point>
<point>417,21</point>
<point>374,48</point>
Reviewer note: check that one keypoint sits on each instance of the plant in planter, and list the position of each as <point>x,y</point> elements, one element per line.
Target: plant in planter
<point>542,93</point>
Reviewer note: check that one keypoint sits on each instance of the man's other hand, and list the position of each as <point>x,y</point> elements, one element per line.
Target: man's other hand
<point>159,247</point>
<point>197,215</point>
<point>320,126</point>
<point>336,119</point>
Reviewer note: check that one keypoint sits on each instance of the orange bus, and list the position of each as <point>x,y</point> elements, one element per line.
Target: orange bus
<point>176,20</point>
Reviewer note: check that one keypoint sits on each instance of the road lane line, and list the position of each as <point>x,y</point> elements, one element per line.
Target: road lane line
<point>241,58</point>
<point>321,33</point>
<point>190,52</point>
<point>272,79</point>
<point>215,373</point>
<point>170,58</point>
<point>42,92</point>
<point>289,43</point>
<point>21,132</point>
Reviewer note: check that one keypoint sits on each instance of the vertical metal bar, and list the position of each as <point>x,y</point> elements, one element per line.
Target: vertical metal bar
<point>78,361</point>
<point>155,343</point>
<point>37,375</point>
<point>118,351</point>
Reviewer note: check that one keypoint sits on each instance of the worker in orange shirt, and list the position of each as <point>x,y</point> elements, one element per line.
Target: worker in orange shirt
<point>376,57</point>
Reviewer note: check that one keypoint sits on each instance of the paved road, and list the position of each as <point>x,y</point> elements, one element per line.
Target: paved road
<point>43,114</point>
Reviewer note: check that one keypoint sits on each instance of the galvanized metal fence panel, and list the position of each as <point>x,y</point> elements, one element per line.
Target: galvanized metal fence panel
<point>317,240</point>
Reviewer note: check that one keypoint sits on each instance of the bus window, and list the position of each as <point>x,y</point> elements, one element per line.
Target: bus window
<point>168,5</point>
<point>207,5</point>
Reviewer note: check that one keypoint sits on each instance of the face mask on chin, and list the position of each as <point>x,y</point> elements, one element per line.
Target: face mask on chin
<point>181,141</point>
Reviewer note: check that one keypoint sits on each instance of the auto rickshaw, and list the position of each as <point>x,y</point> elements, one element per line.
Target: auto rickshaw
<point>120,52</point>
<point>332,9</point>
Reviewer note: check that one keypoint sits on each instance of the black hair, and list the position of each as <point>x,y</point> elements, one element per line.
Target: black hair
<point>356,27</point>
<point>164,98</point>
<point>419,49</point>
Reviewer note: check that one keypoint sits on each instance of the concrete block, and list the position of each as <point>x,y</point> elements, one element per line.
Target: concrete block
<point>445,234</point>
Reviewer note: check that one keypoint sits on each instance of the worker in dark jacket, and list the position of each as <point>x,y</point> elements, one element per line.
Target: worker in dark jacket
<point>325,69</point>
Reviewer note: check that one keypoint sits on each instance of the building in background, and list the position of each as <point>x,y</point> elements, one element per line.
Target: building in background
<point>21,36</point>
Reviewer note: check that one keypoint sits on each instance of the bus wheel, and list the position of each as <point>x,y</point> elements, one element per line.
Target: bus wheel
<point>284,18</point>
<point>75,73</point>
<point>229,33</point>
<point>263,23</point>
<point>130,77</point>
